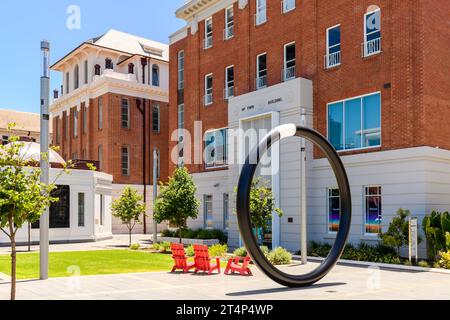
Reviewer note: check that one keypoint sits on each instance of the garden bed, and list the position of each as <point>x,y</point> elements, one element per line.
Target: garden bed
<point>186,241</point>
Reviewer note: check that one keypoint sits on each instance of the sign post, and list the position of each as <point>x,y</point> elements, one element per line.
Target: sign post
<point>413,240</point>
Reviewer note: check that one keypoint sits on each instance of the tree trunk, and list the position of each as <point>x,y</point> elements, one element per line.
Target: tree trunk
<point>29,237</point>
<point>13,267</point>
<point>130,237</point>
<point>180,234</point>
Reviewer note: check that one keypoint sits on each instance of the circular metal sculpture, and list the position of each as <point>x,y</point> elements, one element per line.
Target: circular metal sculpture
<point>243,206</point>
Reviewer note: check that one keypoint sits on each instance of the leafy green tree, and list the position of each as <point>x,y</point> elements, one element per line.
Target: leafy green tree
<point>397,234</point>
<point>129,208</point>
<point>23,198</point>
<point>177,201</point>
<point>262,205</point>
<point>435,226</point>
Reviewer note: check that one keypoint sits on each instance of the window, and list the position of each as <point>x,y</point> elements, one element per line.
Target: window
<point>216,148</point>
<point>5,140</point>
<point>333,56</point>
<point>75,123</point>
<point>102,208</point>
<point>372,33</point>
<point>229,23</point>
<point>100,157</point>
<point>355,123</point>
<point>67,82</point>
<point>67,132</point>
<point>208,89</point>
<point>97,69</point>
<point>125,161</point>
<point>155,75</point>
<point>57,133</point>
<point>208,33</point>
<point>156,118</point>
<point>208,221</point>
<point>181,70</point>
<point>86,72</point>
<point>131,68</point>
<point>229,82</point>
<point>100,113</point>
<point>60,210</point>
<point>181,116</point>
<point>334,210</point>
<point>81,206</point>
<point>75,156</point>
<point>288,5</point>
<point>76,77</point>
<point>125,113</point>
<point>289,62</point>
<point>84,111</point>
<point>373,212</point>
<point>226,208</point>
<point>108,64</point>
<point>261,13</point>
<point>261,71</point>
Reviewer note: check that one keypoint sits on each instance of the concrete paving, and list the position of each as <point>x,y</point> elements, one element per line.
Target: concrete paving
<point>344,282</point>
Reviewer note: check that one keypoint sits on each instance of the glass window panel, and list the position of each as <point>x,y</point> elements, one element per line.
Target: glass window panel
<point>373,210</point>
<point>334,39</point>
<point>372,119</point>
<point>334,210</point>
<point>336,125</point>
<point>353,124</point>
<point>373,22</point>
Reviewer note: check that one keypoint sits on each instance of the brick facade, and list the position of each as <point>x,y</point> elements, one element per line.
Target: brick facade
<point>411,72</point>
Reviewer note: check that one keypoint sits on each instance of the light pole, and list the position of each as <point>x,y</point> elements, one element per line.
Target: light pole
<point>155,193</point>
<point>44,163</point>
<point>303,224</point>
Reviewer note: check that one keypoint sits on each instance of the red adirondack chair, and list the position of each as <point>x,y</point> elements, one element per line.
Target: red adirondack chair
<point>179,256</point>
<point>203,261</point>
<point>235,266</point>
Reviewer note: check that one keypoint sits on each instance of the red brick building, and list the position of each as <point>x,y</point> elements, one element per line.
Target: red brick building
<point>379,81</point>
<point>113,109</point>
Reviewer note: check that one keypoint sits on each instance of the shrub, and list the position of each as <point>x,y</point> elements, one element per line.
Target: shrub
<point>280,256</point>
<point>168,233</point>
<point>218,250</point>
<point>190,251</point>
<point>407,263</point>
<point>201,234</point>
<point>265,251</point>
<point>135,246</point>
<point>155,246</point>
<point>240,252</point>
<point>423,264</point>
<point>164,247</point>
<point>435,226</point>
<point>444,262</point>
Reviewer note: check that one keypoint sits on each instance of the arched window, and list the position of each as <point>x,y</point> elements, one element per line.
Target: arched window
<point>97,69</point>
<point>108,64</point>
<point>155,75</point>
<point>131,68</point>
<point>76,77</point>
<point>67,82</point>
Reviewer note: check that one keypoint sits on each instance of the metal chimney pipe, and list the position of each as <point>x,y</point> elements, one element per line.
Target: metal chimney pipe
<point>44,163</point>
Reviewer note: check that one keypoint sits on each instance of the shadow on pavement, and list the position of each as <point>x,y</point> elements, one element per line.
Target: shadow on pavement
<point>276,290</point>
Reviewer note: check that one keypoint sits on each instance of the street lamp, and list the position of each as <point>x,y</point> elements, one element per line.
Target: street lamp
<point>44,163</point>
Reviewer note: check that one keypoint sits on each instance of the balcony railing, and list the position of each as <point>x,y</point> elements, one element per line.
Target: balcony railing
<point>208,99</point>
<point>228,33</point>
<point>207,42</point>
<point>228,93</point>
<point>261,82</point>
<point>260,18</point>
<point>287,5</point>
<point>332,60</point>
<point>288,73</point>
<point>370,48</point>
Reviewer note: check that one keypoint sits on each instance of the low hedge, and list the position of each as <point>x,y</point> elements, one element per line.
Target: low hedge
<point>200,234</point>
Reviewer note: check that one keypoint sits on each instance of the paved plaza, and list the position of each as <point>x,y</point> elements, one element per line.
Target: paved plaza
<point>344,282</point>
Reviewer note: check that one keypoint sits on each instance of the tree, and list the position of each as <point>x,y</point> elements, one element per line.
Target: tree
<point>129,208</point>
<point>435,226</point>
<point>23,198</point>
<point>177,202</point>
<point>397,235</point>
<point>262,205</point>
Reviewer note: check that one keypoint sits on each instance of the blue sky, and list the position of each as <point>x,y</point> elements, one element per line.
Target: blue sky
<point>23,24</point>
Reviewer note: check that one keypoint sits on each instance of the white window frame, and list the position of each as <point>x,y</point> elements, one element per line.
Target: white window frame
<point>228,88</point>
<point>328,208</point>
<point>156,107</point>
<point>285,69</point>
<point>100,157</point>
<point>205,211</point>
<point>261,12</point>
<point>327,57</point>
<point>258,77</point>
<point>127,174</point>
<point>225,151</point>
<point>375,235</point>
<point>81,216</point>
<point>362,119</point>
<point>365,52</point>
<point>285,8</point>
<point>209,98</point>
<point>208,41</point>
<point>122,113</point>
<point>228,32</point>
<point>181,61</point>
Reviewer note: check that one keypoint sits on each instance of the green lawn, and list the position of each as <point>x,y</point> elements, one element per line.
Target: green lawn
<point>89,263</point>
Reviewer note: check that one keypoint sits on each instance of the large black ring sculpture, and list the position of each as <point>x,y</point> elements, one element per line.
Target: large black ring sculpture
<point>243,206</point>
